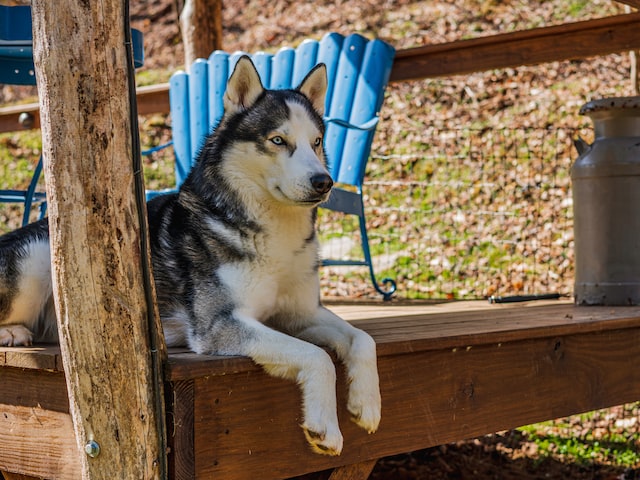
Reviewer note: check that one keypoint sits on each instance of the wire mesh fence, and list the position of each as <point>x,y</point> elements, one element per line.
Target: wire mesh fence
<point>467,214</point>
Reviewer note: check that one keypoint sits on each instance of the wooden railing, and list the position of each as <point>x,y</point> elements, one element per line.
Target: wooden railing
<point>588,38</point>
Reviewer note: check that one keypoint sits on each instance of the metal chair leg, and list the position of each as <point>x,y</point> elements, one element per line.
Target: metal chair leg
<point>389,282</point>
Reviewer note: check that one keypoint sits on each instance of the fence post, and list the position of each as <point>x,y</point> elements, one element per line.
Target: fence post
<point>201,25</point>
<point>103,297</point>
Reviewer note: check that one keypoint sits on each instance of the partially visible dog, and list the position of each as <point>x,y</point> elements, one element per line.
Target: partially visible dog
<point>235,257</point>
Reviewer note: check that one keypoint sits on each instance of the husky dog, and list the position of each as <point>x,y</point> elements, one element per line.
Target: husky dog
<point>235,257</point>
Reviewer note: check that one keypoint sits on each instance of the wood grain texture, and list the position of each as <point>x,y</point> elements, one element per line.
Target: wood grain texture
<point>34,389</point>
<point>151,99</point>
<point>401,329</point>
<point>246,424</point>
<point>16,476</point>
<point>201,26</point>
<point>357,471</point>
<point>37,357</point>
<point>81,68</point>
<point>180,430</point>
<point>38,442</point>
<point>561,42</point>
<point>447,372</point>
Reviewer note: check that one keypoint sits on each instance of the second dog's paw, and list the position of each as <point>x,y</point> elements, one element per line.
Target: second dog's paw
<point>15,336</point>
<point>323,443</point>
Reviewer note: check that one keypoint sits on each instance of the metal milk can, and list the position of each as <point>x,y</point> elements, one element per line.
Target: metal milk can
<point>606,203</point>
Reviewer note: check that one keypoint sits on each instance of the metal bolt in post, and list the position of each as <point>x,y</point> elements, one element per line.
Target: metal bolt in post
<point>26,120</point>
<point>92,448</point>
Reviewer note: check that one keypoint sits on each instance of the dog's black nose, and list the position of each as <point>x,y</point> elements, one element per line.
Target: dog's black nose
<point>321,183</point>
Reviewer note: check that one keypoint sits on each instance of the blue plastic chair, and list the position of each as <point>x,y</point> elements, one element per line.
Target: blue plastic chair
<point>358,71</point>
<point>16,68</point>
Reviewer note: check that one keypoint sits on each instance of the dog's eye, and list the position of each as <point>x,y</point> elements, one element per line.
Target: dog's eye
<point>317,142</point>
<point>277,140</point>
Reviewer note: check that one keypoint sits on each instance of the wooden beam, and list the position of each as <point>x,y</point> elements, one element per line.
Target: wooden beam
<point>201,25</point>
<point>577,40</point>
<point>16,476</point>
<point>106,336</point>
<point>151,99</point>
<point>356,471</point>
<point>631,3</point>
<point>562,42</point>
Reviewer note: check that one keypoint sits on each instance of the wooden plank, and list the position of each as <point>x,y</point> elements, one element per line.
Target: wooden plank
<point>357,471</point>
<point>151,99</point>
<point>399,329</point>
<point>246,424</point>
<point>38,442</point>
<point>631,3</point>
<point>180,430</point>
<point>16,476</point>
<point>546,44</point>
<point>36,432</point>
<point>539,45</point>
<point>441,327</point>
<point>40,357</point>
<point>511,353</point>
<point>34,388</point>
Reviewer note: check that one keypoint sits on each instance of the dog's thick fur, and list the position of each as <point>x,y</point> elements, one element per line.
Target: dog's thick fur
<point>235,257</point>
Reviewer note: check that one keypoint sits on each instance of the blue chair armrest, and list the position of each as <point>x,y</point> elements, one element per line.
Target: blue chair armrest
<point>366,126</point>
<point>156,149</point>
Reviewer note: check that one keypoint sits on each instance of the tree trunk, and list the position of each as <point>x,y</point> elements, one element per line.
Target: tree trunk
<point>101,285</point>
<point>201,25</point>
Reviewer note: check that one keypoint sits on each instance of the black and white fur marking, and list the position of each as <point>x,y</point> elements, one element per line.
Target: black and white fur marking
<point>235,257</point>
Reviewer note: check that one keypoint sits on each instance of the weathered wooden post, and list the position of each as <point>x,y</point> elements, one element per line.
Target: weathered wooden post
<point>104,298</point>
<point>201,25</point>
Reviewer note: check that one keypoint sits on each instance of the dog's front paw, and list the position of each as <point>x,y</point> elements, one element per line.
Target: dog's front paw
<point>365,407</point>
<point>15,336</point>
<point>364,401</point>
<point>323,442</point>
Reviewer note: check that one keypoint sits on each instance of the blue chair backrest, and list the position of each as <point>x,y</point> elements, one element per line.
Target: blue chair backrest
<point>358,71</point>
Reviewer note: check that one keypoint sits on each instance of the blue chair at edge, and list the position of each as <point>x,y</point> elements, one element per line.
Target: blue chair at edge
<point>16,68</point>
<point>358,71</point>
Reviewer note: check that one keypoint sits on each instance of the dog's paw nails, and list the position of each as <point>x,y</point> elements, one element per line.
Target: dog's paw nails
<point>15,336</point>
<point>366,416</point>
<point>369,422</point>
<point>323,443</point>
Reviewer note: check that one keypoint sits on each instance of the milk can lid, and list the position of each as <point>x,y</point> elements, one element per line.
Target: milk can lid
<point>617,103</point>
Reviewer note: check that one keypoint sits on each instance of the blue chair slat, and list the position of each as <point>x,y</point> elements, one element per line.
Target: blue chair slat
<point>16,68</point>
<point>357,72</point>
<point>329,54</point>
<point>282,68</point>
<point>373,77</point>
<point>344,87</point>
<point>15,23</point>
<point>198,103</point>
<point>306,59</point>
<point>218,75</point>
<point>263,61</point>
<point>180,124</point>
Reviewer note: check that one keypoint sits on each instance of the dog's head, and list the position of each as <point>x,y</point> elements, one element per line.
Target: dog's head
<point>275,137</point>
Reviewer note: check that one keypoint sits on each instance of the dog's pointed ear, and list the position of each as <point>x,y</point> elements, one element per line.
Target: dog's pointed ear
<point>314,87</point>
<point>244,86</point>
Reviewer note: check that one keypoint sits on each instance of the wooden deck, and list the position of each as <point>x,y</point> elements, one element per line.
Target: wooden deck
<point>448,372</point>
